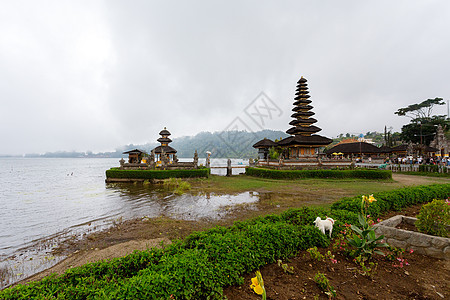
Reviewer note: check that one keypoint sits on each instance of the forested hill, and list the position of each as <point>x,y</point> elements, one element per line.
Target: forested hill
<point>227,144</point>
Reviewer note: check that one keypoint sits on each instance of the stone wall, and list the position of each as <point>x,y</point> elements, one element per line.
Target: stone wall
<point>424,244</point>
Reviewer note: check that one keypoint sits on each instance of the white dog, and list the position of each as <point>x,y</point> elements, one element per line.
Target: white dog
<point>323,225</point>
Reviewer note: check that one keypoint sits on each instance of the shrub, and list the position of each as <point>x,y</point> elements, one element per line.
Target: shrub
<point>296,174</point>
<point>395,200</point>
<point>434,218</point>
<point>155,174</point>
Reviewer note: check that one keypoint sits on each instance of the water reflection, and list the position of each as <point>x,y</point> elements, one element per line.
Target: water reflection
<point>154,201</point>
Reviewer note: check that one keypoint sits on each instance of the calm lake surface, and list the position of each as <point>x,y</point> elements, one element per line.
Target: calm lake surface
<point>45,200</point>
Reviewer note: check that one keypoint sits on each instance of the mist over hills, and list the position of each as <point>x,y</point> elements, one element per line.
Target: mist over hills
<point>225,144</point>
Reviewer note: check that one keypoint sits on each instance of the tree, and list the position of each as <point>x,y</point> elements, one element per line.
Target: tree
<point>423,125</point>
<point>420,111</point>
<point>422,130</point>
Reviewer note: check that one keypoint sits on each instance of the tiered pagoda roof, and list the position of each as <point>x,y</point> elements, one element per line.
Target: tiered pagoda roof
<point>303,130</point>
<point>164,140</point>
<point>302,112</point>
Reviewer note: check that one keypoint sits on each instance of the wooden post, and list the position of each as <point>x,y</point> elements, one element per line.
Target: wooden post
<point>229,169</point>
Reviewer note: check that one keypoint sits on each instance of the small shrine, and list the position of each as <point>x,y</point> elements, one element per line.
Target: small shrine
<point>135,156</point>
<point>263,147</point>
<point>164,152</point>
<point>163,157</point>
<point>303,142</point>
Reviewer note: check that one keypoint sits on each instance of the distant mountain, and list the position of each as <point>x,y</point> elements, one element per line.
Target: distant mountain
<point>226,144</point>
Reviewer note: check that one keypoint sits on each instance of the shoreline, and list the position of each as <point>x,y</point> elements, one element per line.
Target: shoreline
<point>140,233</point>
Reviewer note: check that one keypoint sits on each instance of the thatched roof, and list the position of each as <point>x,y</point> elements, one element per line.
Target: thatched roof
<point>300,140</point>
<point>302,107</point>
<point>303,121</point>
<point>303,129</point>
<point>134,151</point>
<point>302,80</point>
<point>302,97</point>
<point>167,149</point>
<point>302,114</point>
<point>265,143</point>
<point>164,140</point>
<point>164,132</point>
<point>385,149</point>
<point>354,148</point>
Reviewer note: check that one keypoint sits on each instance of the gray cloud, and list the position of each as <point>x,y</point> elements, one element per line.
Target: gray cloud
<point>93,75</point>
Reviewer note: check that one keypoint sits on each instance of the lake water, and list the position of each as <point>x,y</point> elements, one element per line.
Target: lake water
<point>45,200</point>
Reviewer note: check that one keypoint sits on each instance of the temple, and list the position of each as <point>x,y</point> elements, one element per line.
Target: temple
<point>164,151</point>
<point>303,142</point>
<point>162,157</point>
<point>304,145</point>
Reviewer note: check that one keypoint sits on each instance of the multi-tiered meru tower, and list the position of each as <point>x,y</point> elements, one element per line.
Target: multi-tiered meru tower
<point>303,142</point>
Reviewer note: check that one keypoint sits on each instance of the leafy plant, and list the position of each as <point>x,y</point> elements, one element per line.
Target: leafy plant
<point>315,254</point>
<point>324,284</point>
<point>434,218</point>
<point>285,267</point>
<point>364,238</point>
<point>368,268</point>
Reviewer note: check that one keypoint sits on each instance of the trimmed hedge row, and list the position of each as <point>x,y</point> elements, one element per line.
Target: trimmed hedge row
<point>199,266</point>
<point>395,200</point>
<point>155,174</point>
<point>294,174</point>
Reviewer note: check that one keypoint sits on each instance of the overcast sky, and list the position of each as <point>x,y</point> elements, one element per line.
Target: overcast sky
<point>95,75</point>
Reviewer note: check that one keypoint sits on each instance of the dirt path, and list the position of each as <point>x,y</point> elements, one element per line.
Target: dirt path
<point>418,180</point>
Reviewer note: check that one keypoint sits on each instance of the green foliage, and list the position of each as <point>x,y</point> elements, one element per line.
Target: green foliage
<point>273,153</point>
<point>182,187</point>
<point>434,218</point>
<point>315,254</point>
<point>365,240</point>
<point>367,268</point>
<point>286,268</point>
<point>420,110</point>
<point>324,284</point>
<point>422,130</point>
<point>297,174</point>
<point>395,200</point>
<point>155,174</point>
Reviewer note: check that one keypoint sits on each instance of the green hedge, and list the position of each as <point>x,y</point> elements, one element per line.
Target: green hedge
<point>155,174</point>
<point>397,199</point>
<point>294,174</point>
<point>199,266</point>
